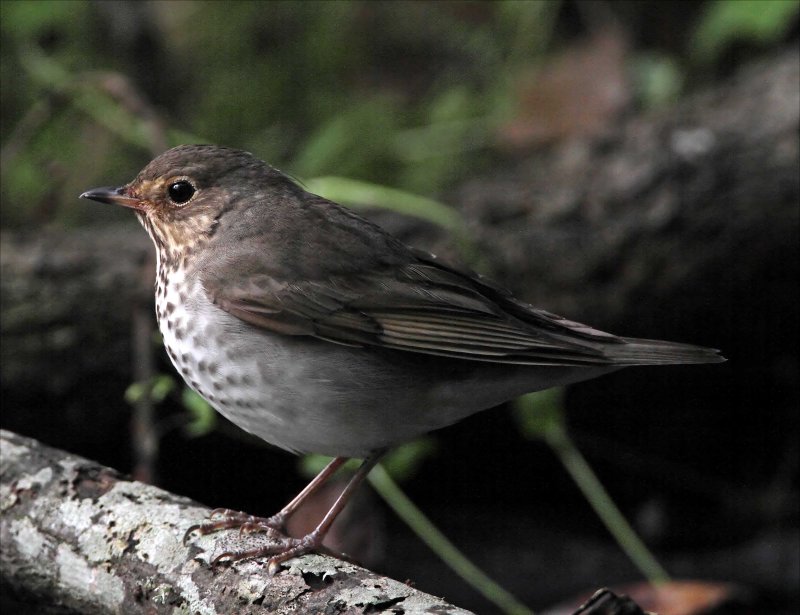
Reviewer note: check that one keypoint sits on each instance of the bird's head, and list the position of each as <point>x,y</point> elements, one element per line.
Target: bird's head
<point>182,196</point>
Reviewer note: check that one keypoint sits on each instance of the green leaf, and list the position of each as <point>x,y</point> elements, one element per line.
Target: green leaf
<point>726,21</point>
<point>312,464</point>
<point>358,193</point>
<point>161,386</point>
<point>402,462</point>
<point>659,80</point>
<point>135,392</point>
<point>202,416</point>
<point>25,21</point>
<point>540,414</point>
<point>156,389</point>
<point>354,142</point>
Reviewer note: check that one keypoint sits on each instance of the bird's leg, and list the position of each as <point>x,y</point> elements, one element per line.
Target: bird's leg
<point>313,541</point>
<point>320,479</point>
<point>288,548</point>
<point>224,518</point>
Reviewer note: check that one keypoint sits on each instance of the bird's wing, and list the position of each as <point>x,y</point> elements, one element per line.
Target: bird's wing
<point>342,279</point>
<point>417,306</point>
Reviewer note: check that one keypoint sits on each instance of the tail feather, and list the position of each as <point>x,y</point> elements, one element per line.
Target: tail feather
<point>634,351</point>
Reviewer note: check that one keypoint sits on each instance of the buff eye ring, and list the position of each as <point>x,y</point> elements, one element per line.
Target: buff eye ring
<point>180,192</point>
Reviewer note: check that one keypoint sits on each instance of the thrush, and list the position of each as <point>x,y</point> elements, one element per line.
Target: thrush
<point>317,331</point>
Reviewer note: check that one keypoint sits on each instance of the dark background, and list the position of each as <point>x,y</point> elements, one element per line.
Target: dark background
<point>436,99</point>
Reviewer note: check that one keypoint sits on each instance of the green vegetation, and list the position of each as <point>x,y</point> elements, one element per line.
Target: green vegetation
<point>411,95</point>
<point>372,104</point>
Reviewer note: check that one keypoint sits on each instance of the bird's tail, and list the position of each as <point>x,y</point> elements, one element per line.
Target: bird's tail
<point>634,351</point>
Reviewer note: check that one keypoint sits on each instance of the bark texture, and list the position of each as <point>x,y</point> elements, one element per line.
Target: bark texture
<point>706,190</point>
<point>79,538</point>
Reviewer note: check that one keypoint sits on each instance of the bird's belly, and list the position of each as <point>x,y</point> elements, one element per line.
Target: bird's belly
<point>300,394</point>
<point>296,393</point>
<point>308,395</point>
<point>221,360</point>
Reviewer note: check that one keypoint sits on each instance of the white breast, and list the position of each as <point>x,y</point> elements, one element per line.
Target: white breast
<point>201,340</point>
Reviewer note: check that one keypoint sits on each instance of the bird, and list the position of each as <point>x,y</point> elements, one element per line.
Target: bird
<point>317,331</point>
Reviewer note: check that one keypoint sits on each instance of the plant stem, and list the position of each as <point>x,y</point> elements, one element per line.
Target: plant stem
<point>383,483</point>
<point>587,481</point>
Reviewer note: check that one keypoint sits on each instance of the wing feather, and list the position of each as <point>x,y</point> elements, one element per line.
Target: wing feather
<point>344,280</point>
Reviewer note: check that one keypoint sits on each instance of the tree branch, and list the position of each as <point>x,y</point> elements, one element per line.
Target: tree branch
<point>79,538</point>
<point>668,203</point>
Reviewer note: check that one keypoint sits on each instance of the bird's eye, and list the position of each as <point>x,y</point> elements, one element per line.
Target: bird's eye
<point>180,192</point>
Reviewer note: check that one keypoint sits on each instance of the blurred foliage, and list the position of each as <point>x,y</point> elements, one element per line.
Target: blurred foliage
<point>369,102</point>
<point>202,419</point>
<point>156,389</point>
<point>198,418</point>
<point>401,462</point>
<point>728,21</point>
<point>402,94</point>
<point>314,87</point>
<point>358,193</point>
<point>542,415</point>
<point>384,484</point>
<point>658,79</point>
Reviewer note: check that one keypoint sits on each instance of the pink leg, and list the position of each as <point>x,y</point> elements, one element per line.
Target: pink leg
<point>313,541</point>
<point>319,480</point>
<point>285,548</point>
<point>225,519</point>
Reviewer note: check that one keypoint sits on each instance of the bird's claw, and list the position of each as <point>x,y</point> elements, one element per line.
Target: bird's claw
<point>190,531</point>
<point>281,548</point>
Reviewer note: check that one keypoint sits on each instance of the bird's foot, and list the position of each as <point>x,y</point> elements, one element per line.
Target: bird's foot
<point>280,547</point>
<point>226,519</point>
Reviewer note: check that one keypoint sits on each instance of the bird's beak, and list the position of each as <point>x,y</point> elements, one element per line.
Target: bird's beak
<point>114,196</point>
